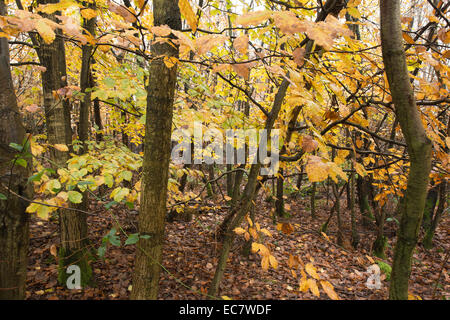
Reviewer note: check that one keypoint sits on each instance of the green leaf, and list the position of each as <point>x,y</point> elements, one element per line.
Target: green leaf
<point>109,180</point>
<point>53,185</point>
<point>112,232</point>
<point>75,196</point>
<point>130,205</point>
<point>101,251</point>
<point>83,183</point>
<point>16,146</point>
<point>126,175</point>
<point>109,82</point>
<point>114,240</point>
<point>21,162</point>
<point>119,193</point>
<point>43,212</point>
<point>132,239</point>
<point>110,204</point>
<point>3,197</point>
<point>37,176</point>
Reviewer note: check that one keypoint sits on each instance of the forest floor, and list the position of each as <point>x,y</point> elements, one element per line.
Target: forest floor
<point>191,254</point>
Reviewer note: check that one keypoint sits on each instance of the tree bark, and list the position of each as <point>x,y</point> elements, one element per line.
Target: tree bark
<point>418,145</point>
<point>14,225</point>
<point>85,83</point>
<point>160,97</point>
<point>73,225</point>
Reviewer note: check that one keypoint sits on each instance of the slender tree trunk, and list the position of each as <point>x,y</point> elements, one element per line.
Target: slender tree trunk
<point>300,179</point>
<point>279,201</point>
<point>160,97</point>
<point>380,242</point>
<point>429,232</point>
<point>430,205</point>
<point>419,146</point>
<point>14,225</point>
<point>73,227</point>
<point>230,181</point>
<point>125,139</point>
<point>355,235</point>
<point>98,120</point>
<point>313,200</point>
<point>340,235</point>
<point>85,83</point>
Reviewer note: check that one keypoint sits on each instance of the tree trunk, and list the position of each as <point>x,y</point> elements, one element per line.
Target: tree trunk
<point>313,200</point>
<point>379,245</point>
<point>85,83</point>
<point>98,120</point>
<point>429,232</point>
<point>14,225</point>
<point>279,200</point>
<point>418,144</point>
<point>355,235</point>
<point>430,205</point>
<point>73,225</point>
<point>299,180</point>
<point>230,180</point>
<point>160,97</point>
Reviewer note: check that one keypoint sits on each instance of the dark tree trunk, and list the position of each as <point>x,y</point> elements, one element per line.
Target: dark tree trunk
<point>14,223</point>
<point>73,225</point>
<point>430,230</point>
<point>160,98</point>
<point>98,120</point>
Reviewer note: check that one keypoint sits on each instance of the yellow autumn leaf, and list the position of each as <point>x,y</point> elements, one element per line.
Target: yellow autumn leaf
<point>45,31</point>
<point>61,147</point>
<point>260,248</point>
<point>360,169</point>
<point>188,14</point>
<point>253,18</point>
<point>161,31</point>
<point>265,263</point>
<point>253,233</point>
<point>43,212</point>
<point>408,38</point>
<point>316,169</point>
<point>413,297</point>
<point>37,149</point>
<point>266,232</point>
<point>354,12</point>
<point>311,270</point>
<point>313,287</point>
<point>239,231</point>
<point>329,290</point>
<point>53,7</point>
<point>273,261</point>
<point>303,285</point>
<point>241,44</point>
<point>88,13</point>
<point>99,180</point>
<point>249,221</point>
<point>170,62</point>
<point>325,236</point>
